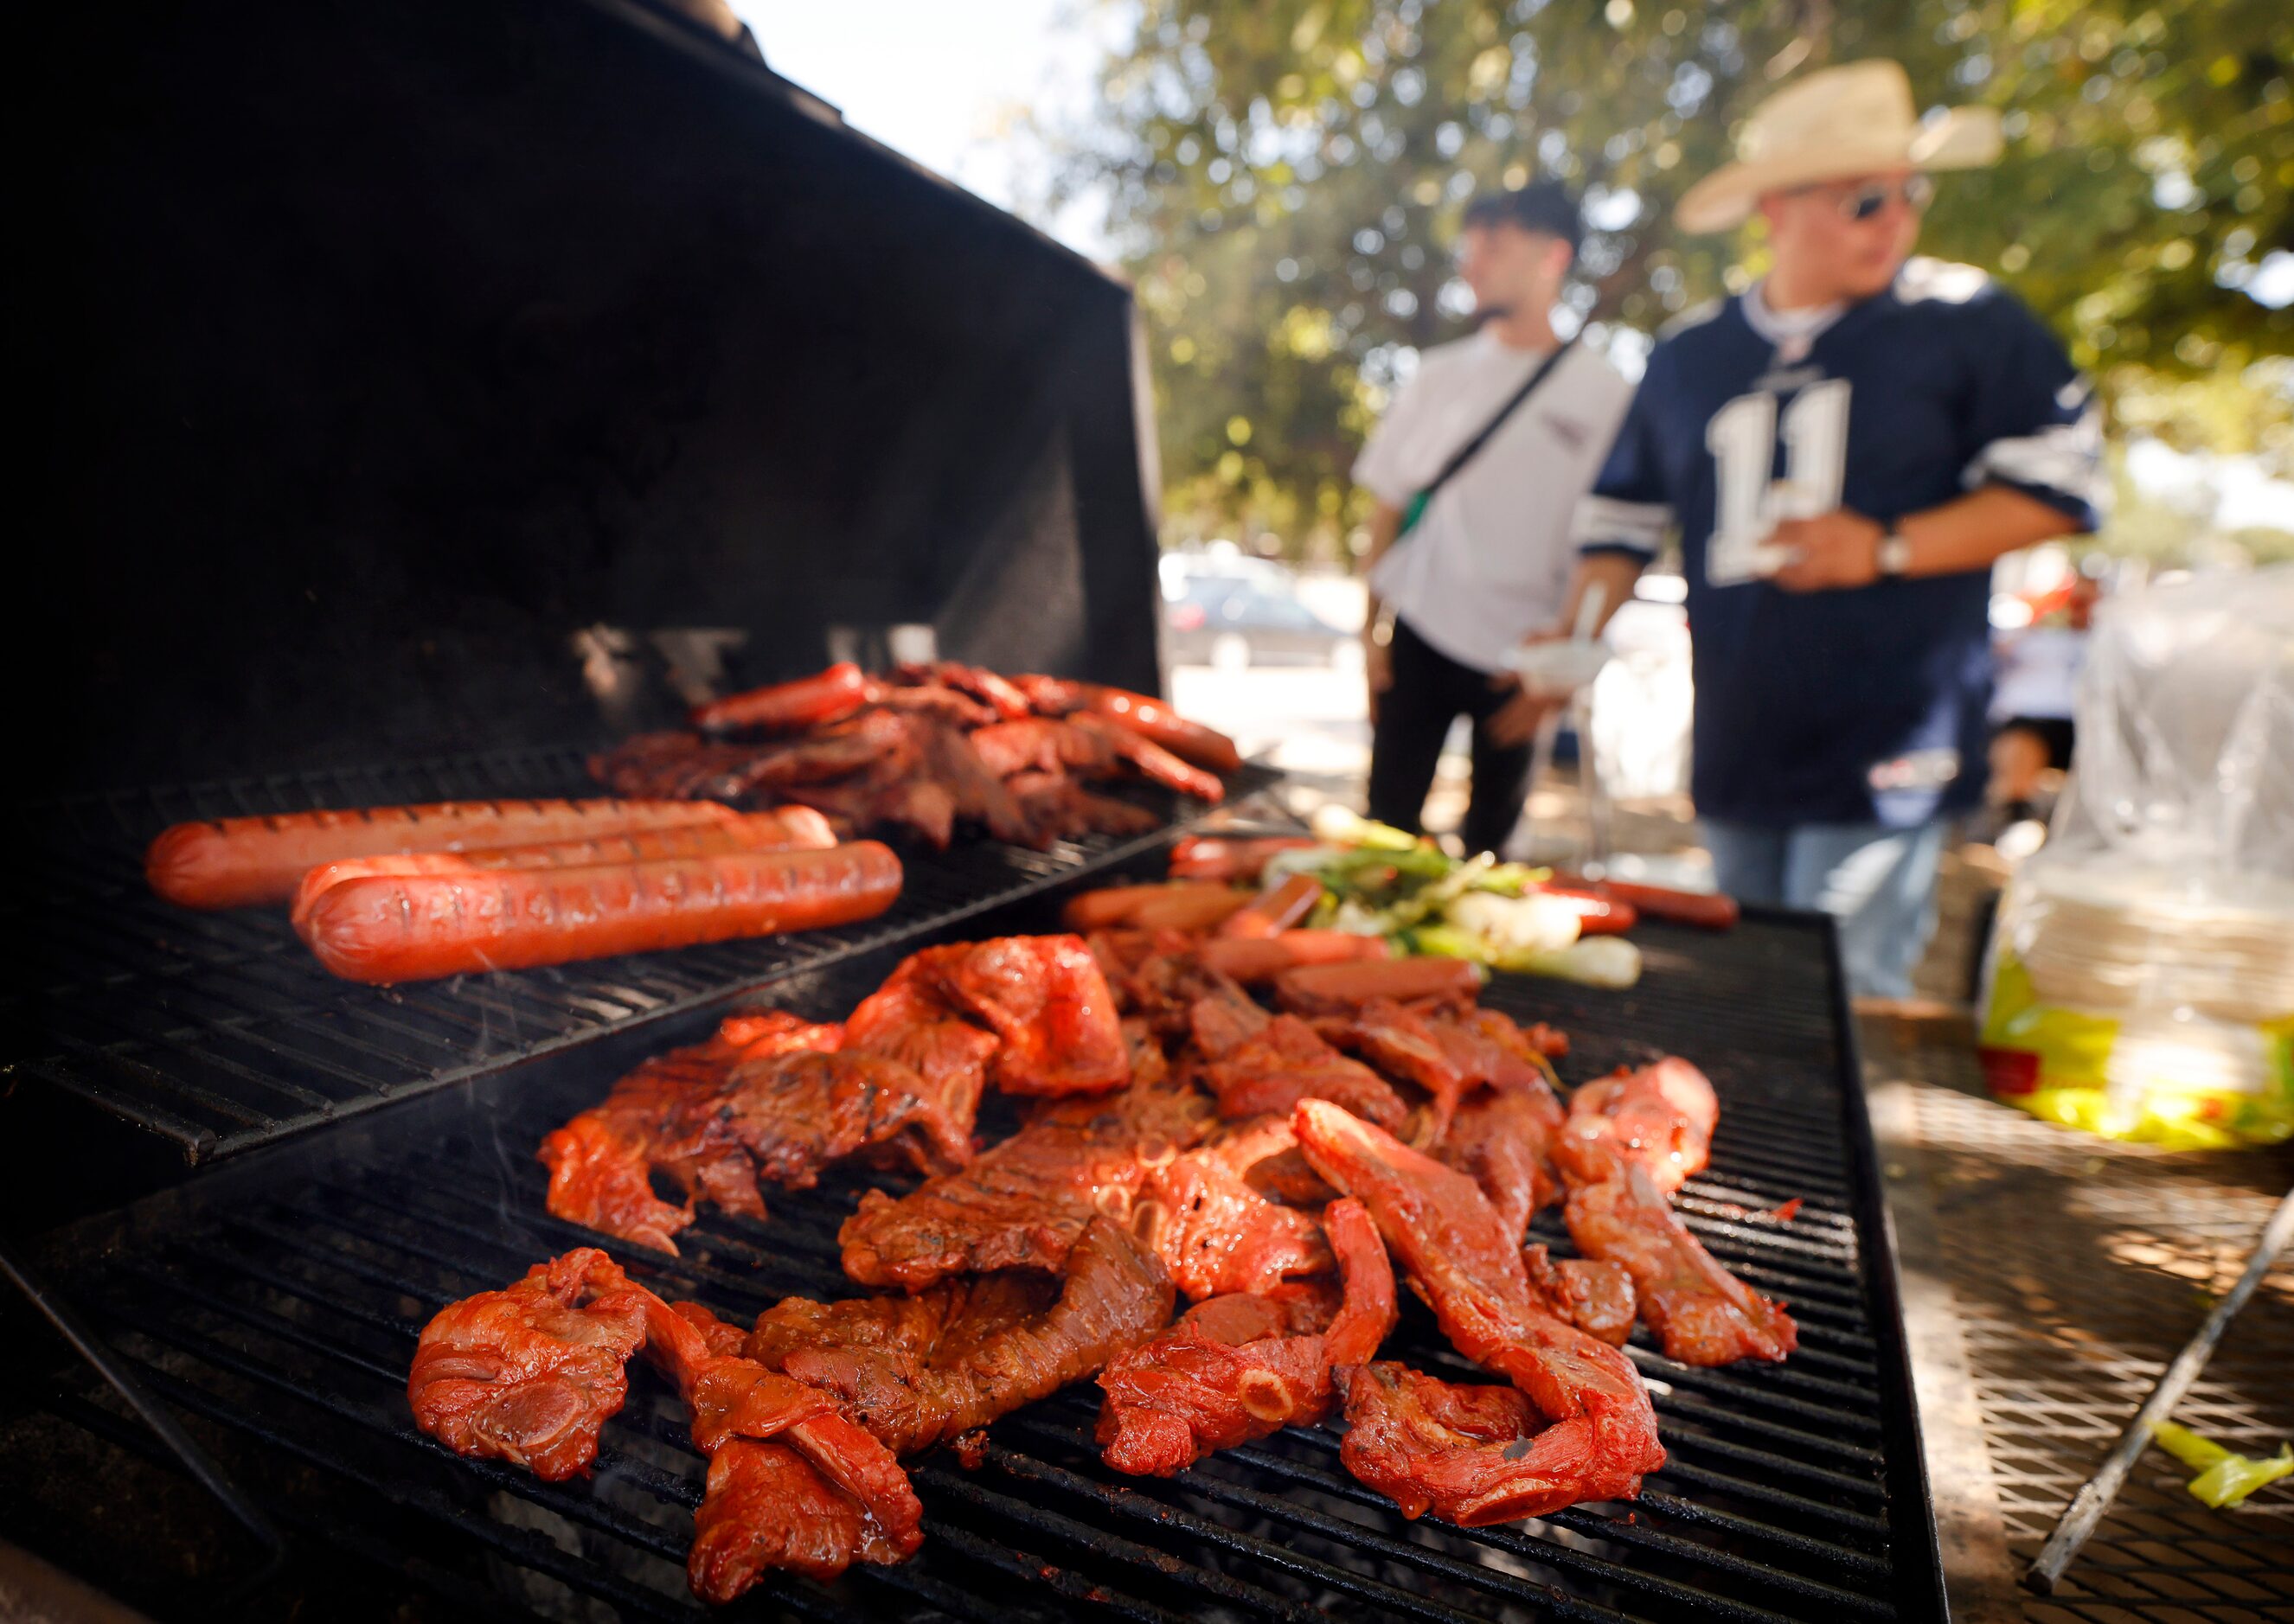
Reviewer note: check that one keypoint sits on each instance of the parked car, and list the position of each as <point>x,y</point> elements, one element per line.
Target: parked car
<point>1234,612</point>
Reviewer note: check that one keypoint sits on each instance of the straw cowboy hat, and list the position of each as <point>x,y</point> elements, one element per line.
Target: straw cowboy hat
<point>1833,124</point>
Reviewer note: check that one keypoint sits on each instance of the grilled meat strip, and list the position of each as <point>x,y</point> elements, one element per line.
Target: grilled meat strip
<point>1217,1234</point>
<point>940,1324</point>
<point>529,1374</point>
<point>1702,1314</point>
<point>771,1096</point>
<point>1057,808</point>
<point>1443,1446</point>
<point>795,1114</point>
<point>982,795</point>
<point>1023,1203</point>
<point>1091,748</point>
<point>1449,1054</point>
<point>987,1359</point>
<point>1595,1296</point>
<point>1258,1062</point>
<point>1660,1115</point>
<point>791,1483</point>
<point>1045,998</point>
<point>1461,1260</point>
<point>997,693</point>
<point>1239,1367</point>
<point>1503,1139</point>
<point>601,1163</point>
<point>909,1020</point>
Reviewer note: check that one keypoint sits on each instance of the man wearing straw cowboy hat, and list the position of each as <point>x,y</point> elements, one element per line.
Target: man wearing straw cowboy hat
<point>1844,449</point>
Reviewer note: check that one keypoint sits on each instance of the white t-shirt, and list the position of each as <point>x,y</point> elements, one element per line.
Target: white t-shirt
<point>1491,560</point>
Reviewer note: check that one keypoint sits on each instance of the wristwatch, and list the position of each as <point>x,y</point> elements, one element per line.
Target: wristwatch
<point>1894,557</point>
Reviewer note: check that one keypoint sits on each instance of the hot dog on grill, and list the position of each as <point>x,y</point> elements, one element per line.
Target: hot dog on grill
<point>1713,910</point>
<point>1184,906</point>
<point>806,702</point>
<point>233,861</point>
<point>787,827</point>
<point>1262,959</point>
<point>1317,988</point>
<point>1153,719</point>
<point>393,928</point>
<point>1138,713</point>
<point>1275,909</point>
<point>1200,857</point>
<point>1597,915</point>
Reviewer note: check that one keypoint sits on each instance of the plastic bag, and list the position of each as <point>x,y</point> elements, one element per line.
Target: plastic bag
<point>2141,975</point>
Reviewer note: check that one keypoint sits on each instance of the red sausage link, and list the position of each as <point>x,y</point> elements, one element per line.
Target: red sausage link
<point>1264,959</point>
<point>1276,910</point>
<point>1318,987</point>
<point>237,861</point>
<point>419,927</point>
<point>1184,905</point>
<point>788,827</point>
<point>1713,910</point>
<point>1153,719</point>
<point>807,701</point>
<point>1200,856</point>
<point>1596,915</point>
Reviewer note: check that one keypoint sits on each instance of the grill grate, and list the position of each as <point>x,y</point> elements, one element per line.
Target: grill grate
<point>279,1308</point>
<point>219,1032</point>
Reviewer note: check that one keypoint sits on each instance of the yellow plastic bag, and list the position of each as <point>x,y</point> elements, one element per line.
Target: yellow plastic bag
<point>2080,1069</point>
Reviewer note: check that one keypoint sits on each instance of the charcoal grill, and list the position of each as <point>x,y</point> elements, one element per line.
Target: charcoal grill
<point>275,1302</point>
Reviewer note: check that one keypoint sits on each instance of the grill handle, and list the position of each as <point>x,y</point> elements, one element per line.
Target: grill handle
<point>195,1460</point>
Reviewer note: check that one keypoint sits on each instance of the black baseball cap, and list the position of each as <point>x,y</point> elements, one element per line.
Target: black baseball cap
<point>1543,206</point>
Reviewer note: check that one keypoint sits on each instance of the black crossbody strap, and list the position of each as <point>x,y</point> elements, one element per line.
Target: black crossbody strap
<point>1464,454</point>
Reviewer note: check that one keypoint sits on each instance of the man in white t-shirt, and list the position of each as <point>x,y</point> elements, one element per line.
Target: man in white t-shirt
<point>1459,578</point>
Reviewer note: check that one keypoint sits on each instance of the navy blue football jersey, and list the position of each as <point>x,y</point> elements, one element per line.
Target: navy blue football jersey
<point>1859,705</point>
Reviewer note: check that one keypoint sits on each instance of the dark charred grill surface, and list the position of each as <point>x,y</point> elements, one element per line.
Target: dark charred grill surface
<point>220,1032</point>
<point>276,1304</point>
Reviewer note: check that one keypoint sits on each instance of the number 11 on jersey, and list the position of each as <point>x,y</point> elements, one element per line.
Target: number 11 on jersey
<point>1742,437</point>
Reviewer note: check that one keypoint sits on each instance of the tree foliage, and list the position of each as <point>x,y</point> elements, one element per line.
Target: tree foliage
<point>1285,179</point>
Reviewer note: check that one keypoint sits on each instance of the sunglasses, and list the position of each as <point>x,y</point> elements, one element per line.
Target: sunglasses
<point>1866,202</point>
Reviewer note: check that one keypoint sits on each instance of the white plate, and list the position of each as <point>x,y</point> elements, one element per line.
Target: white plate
<point>1560,667</point>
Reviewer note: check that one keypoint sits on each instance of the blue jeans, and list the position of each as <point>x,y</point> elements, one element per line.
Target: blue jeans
<point>1880,883</point>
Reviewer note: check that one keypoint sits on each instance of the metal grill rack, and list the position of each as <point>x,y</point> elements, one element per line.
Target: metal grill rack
<point>277,1306</point>
<point>219,1032</point>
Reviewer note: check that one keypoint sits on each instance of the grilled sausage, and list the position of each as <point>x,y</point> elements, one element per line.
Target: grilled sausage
<point>1275,910</point>
<point>1713,910</point>
<point>1200,856</point>
<point>1153,719</point>
<point>1268,957</point>
<point>393,928</point>
<point>1322,988</point>
<point>787,827</point>
<point>1187,906</point>
<point>1597,915</point>
<point>233,861</point>
<point>787,706</point>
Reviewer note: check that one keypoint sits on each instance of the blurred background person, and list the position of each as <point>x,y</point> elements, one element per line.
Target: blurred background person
<point>1846,447</point>
<point>2032,701</point>
<point>1475,472</point>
